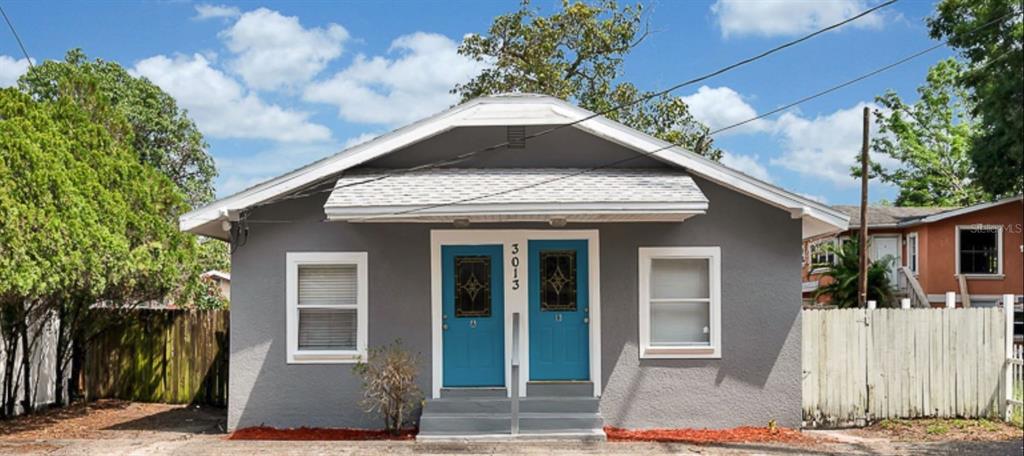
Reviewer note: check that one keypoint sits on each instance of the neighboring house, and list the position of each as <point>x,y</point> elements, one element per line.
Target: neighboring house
<point>653,287</point>
<point>222,279</point>
<point>974,251</point>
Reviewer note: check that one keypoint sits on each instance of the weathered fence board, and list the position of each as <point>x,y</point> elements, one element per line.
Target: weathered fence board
<point>166,355</point>
<point>862,365</point>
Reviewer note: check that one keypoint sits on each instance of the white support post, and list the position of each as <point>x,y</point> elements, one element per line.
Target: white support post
<point>872,304</point>
<point>905,303</point>
<point>1008,368</point>
<point>950,299</point>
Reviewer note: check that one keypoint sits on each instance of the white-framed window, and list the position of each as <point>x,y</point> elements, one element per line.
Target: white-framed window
<point>979,250</point>
<point>821,253</point>
<point>680,302</point>
<point>912,252</point>
<point>327,306</point>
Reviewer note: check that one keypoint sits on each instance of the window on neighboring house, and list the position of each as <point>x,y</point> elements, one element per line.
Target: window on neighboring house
<point>680,302</point>
<point>979,250</point>
<point>912,252</point>
<point>822,253</point>
<point>326,300</point>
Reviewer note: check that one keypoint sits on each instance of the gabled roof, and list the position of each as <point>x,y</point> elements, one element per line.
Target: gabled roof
<point>888,216</point>
<point>520,194</point>
<point>897,217</point>
<point>511,110</point>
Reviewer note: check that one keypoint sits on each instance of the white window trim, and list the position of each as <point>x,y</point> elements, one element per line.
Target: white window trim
<point>295,259</point>
<point>999,250</point>
<point>835,242</point>
<point>912,240</point>
<point>714,257</point>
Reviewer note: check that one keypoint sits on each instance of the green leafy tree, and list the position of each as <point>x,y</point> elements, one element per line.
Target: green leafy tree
<point>931,139</point>
<point>162,134</point>
<point>841,278</point>
<point>577,54</point>
<point>149,121</point>
<point>995,57</point>
<point>83,220</point>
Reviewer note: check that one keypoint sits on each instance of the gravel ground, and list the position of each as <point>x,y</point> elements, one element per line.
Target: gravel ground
<point>113,427</point>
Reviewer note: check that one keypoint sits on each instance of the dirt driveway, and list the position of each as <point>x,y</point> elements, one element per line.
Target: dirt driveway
<point>114,427</point>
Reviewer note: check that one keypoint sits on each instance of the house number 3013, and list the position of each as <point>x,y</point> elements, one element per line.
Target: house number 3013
<point>515,266</point>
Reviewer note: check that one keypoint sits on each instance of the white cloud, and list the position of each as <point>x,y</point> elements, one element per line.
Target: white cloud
<point>721,106</point>
<point>205,11</point>
<point>411,86</point>
<point>11,69</point>
<point>747,164</point>
<point>825,147</point>
<point>788,17</point>
<point>275,51</point>
<point>221,107</point>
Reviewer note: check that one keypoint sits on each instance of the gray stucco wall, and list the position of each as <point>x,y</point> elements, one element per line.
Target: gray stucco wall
<point>757,379</point>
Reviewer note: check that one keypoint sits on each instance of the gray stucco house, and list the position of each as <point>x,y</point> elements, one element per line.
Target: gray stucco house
<point>623,281</point>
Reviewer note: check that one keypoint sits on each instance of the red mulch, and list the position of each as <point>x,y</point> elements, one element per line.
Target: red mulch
<point>305,433</point>
<point>745,434</point>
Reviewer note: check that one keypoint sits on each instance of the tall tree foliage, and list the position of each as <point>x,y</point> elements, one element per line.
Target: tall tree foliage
<point>577,54</point>
<point>162,134</point>
<point>931,139</point>
<point>82,220</point>
<point>995,57</point>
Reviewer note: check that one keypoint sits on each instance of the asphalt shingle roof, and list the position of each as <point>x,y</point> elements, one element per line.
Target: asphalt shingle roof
<point>502,186</point>
<point>889,215</point>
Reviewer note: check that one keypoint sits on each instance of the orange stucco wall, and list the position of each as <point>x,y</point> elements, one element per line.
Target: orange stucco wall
<point>937,252</point>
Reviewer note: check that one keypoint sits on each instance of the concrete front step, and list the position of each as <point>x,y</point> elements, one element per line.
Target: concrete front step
<point>559,422</point>
<point>485,392</point>
<point>504,405</point>
<point>465,423</point>
<point>560,389</point>
<point>541,404</point>
<point>553,410</point>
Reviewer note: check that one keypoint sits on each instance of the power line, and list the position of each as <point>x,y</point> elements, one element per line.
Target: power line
<point>464,156</point>
<point>673,145</point>
<point>16,37</point>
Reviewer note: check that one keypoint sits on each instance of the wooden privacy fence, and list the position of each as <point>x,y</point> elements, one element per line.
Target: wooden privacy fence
<point>161,355</point>
<point>862,365</point>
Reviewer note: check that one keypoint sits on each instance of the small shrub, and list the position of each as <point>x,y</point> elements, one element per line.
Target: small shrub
<point>389,384</point>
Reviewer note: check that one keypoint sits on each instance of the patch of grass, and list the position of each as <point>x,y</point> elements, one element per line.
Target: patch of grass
<point>893,424</point>
<point>937,428</point>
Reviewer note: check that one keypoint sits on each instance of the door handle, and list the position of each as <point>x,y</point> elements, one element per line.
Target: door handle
<point>472,323</point>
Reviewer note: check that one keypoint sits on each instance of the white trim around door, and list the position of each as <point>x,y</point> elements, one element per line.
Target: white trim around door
<point>514,244</point>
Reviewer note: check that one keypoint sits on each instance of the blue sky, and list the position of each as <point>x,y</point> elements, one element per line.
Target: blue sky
<point>275,85</point>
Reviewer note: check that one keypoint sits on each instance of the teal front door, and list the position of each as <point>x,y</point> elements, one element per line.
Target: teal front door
<point>473,315</point>
<point>559,310</point>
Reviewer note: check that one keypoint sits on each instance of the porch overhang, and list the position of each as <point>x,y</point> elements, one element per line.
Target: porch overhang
<point>553,195</point>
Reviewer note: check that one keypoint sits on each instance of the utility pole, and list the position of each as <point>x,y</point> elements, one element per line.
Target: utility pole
<point>862,282</point>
